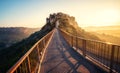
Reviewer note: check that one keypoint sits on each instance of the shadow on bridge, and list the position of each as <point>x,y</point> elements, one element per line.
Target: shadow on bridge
<point>61,58</point>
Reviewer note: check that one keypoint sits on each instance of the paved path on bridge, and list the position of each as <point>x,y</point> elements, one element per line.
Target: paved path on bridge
<point>61,58</point>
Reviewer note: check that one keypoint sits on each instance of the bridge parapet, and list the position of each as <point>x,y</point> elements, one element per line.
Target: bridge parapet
<point>31,61</point>
<point>103,54</point>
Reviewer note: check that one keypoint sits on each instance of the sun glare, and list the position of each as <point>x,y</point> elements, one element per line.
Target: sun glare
<point>107,17</point>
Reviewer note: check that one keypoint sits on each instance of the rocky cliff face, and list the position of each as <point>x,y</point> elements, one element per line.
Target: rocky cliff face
<point>62,18</point>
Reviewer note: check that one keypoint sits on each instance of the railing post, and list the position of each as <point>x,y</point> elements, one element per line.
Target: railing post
<point>72,41</point>
<point>112,58</point>
<point>76,40</point>
<point>84,47</point>
<point>76,43</point>
<point>44,42</point>
<point>28,60</point>
<point>38,51</point>
<point>26,69</point>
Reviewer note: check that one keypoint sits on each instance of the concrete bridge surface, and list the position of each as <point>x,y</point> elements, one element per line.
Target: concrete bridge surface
<point>59,57</point>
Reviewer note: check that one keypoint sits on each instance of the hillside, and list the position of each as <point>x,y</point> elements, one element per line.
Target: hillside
<point>11,35</point>
<point>10,55</point>
<point>68,23</point>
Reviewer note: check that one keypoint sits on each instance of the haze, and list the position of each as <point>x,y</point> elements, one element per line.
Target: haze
<point>33,13</point>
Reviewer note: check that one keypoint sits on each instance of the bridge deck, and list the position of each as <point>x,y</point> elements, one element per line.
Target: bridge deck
<point>61,58</point>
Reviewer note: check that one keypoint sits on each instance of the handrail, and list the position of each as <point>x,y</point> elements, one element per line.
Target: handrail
<point>89,39</point>
<point>103,54</point>
<point>24,57</point>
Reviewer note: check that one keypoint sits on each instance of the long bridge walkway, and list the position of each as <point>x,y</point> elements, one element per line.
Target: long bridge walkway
<point>59,57</point>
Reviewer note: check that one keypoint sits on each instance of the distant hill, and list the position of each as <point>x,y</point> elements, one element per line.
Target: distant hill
<point>109,30</point>
<point>106,33</point>
<point>108,38</point>
<point>11,35</point>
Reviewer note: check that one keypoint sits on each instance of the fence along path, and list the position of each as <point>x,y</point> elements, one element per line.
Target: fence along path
<point>105,55</point>
<point>61,58</point>
<point>30,62</point>
<point>60,52</point>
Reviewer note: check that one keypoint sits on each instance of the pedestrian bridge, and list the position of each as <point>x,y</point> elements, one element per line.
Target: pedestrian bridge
<point>61,52</point>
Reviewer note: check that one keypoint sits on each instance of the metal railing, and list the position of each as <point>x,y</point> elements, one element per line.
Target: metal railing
<point>30,62</point>
<point>105,55</point>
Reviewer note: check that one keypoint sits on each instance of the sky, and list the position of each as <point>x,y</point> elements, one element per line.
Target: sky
<point>33,13</point>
